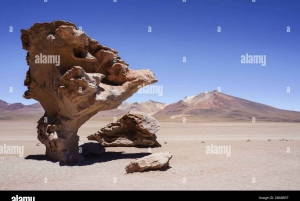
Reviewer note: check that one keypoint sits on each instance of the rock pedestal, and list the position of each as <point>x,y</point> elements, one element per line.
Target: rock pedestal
<point>73,77</point>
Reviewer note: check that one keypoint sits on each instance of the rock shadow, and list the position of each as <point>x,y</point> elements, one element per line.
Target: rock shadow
<point>92,158</point>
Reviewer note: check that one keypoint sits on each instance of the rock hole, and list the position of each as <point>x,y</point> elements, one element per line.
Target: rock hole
<point>79,52</point>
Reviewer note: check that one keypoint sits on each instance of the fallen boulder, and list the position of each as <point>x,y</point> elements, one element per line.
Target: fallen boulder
<point>133,129</point>
<point>155,161</point>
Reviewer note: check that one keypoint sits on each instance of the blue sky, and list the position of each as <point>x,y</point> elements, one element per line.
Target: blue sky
<point>178,29</point>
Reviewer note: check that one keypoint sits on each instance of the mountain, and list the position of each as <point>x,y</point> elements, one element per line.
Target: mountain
<point>14,106</point>
<point>149,107</point>
<point>18,111</point>
<point>207,107</point>
<point>215,106</point>
<point>6,106</point>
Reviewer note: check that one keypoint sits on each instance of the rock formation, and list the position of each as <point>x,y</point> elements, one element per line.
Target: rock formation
<point>73,77</point>
<point>133,129</point>
<point>153,162</point>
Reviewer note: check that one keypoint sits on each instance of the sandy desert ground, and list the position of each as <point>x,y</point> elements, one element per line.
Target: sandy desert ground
<point>259,164</point>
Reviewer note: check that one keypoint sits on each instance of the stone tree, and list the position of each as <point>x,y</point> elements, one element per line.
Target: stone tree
<point>73,77</point>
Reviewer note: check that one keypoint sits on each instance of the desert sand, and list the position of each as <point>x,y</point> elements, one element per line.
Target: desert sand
<point>256,165</point>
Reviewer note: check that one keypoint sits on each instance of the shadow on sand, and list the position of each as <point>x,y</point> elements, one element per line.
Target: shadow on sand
<point>92,159</point>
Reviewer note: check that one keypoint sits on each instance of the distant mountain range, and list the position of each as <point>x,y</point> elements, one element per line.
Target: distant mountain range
<point>6,106</point>
<point>217,106</point>
<point>18,111</point>
<point>207,106</point>
<point>149,107</point>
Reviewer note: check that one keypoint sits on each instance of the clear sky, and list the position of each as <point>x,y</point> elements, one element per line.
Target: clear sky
<point>213,59</point>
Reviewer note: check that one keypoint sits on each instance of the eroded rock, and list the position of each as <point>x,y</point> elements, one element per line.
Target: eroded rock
<point>133,129</point>
<point>152,162</point>
<point>73,77</point>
